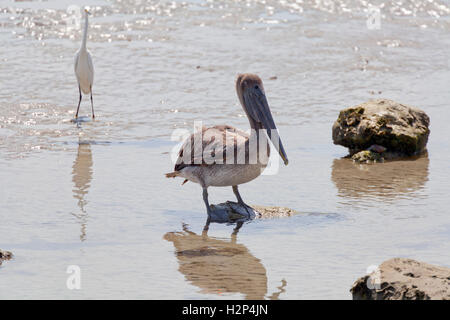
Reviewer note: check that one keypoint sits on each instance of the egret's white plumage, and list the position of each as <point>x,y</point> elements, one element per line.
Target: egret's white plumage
<point>84,68</point>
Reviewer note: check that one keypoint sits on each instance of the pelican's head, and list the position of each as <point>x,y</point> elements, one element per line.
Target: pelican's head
<point>250,91</point>
<point>87,12</point>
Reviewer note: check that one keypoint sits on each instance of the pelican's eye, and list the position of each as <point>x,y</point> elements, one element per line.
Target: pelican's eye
<point>256,87</point>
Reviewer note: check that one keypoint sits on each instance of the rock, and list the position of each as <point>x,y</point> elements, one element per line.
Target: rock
<point>376,153</point>
<point>232,212</point>
<point>401,130</point>
<point>367,155</point>
<point>404,279</point>
<point>274,212</point>
<point>5,255</point>
<point>377,148</point>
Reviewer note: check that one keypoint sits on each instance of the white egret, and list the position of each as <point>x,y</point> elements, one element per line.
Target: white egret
<point>84,69</point>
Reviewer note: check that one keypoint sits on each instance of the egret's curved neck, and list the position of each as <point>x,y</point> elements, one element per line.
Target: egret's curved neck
<point>86,23</point>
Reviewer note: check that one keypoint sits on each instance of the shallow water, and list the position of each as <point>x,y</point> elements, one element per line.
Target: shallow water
<point>94,194</point>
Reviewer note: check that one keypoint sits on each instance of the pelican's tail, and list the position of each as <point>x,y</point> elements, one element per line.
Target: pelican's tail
<point>174,175</point>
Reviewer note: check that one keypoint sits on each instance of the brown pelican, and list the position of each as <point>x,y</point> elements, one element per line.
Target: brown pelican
<point>199,162</point>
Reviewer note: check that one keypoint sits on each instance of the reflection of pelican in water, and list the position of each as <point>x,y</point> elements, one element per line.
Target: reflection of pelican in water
<point>81,177</point>
<point>386,180</point>
<point>220,266</point>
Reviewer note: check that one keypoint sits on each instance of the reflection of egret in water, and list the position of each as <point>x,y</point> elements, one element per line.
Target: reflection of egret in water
<point>81,177</point>
<point>384,180</point>
<point>220,266</point>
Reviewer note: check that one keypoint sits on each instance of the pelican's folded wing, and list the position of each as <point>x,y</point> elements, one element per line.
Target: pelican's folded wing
<point>211,146</point>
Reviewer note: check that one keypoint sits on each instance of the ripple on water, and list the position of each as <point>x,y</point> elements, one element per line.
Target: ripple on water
<point>29,127</point>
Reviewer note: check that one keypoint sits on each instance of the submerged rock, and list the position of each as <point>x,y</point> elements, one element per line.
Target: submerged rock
<point>387,126</point>
<point>5,255</point>
<point>232,211</point>
<point>274,212</point>
<point>404,279</point>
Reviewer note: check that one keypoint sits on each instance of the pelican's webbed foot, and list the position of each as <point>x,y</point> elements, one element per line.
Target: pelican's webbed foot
<point>248,209</point>
<point>241,202</point>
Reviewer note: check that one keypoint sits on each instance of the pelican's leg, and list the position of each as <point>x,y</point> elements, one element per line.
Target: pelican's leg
<point>79,101</point>
<point>206,227</point>
<point>92,105</point>
<point>238,226</point>
<point>239,199</point>
<point>205,199</point>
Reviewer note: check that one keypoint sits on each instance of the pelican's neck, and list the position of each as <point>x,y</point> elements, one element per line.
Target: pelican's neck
<point>86,23</point>
<point>255,126</point>
<point>257,134</point>
<point>255,129</point>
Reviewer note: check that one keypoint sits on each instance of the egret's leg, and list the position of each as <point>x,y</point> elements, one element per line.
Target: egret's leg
<point>239,199</point>
<point>205,199</point>
<point>92,105</point>
<point>79,102</point>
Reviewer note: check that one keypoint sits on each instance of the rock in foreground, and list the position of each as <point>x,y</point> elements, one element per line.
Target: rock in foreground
<point>404,279</point>
<point>5,255</point>
<point>400,129</point>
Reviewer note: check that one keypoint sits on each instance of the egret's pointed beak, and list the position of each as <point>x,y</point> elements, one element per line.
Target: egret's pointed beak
<point>258,108</point>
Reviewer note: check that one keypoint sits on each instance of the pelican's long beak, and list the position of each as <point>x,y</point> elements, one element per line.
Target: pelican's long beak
<point>258,108</point>
<point>87,11</point>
